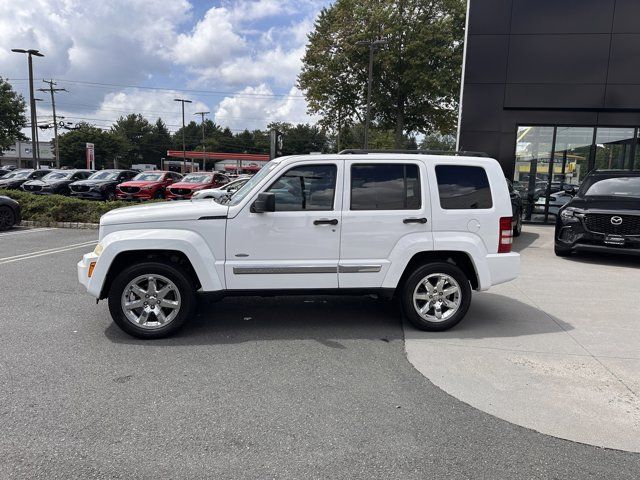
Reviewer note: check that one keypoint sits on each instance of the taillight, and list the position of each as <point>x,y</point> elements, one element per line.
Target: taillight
<point>506,235</point>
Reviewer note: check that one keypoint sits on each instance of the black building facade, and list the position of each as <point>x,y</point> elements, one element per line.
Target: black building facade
<point>552,88</point>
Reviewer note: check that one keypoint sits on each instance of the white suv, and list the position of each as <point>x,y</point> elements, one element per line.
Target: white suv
<point>424,228</point>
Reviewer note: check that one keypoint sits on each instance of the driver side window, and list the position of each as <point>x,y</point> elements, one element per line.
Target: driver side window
<point>309,187</point>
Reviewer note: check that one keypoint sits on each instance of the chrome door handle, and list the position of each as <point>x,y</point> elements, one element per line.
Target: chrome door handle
<point>326,221</point>
<point>414,220</point>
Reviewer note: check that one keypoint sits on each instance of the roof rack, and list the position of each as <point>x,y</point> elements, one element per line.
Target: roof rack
<point>462,153</point>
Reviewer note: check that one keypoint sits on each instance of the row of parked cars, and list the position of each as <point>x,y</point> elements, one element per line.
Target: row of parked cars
<point>122,184</point>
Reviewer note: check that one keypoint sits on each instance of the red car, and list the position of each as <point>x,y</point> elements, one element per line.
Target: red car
<point>147,185</point>
<point>193,182</point>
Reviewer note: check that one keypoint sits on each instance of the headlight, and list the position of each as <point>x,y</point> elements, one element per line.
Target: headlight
<point>98,249</point>
<point>567,213</point>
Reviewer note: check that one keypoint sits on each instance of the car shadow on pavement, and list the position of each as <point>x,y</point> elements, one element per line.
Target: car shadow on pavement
<point>326,319</point>
<point>494,315</point>
<point>329,320</point>
<point>524,240</point>
<point>605,259</point>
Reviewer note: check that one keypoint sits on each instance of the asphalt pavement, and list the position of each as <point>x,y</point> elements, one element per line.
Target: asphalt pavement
<point>285,387</point>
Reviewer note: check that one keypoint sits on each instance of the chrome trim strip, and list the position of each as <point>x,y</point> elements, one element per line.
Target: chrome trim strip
<point>302,269</point>
<point>359,268</point>
<point>282,270</point>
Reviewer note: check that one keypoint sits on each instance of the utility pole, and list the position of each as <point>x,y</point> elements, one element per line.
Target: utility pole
<point>37,134</point>
<point>184,145</point>
<point>52,91</point>
<point>204,147</point>
<point>373,45</point>
<point>32,101</point>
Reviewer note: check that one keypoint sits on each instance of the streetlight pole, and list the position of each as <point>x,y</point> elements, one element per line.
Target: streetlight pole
<point>52,91</point>
<point>372,44</point>
<point>184,145</point>
<point>204,147</point>
<point>32,102</point>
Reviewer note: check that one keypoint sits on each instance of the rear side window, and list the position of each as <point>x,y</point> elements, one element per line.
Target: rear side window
<point>463,187</point>
<point>379,186</point>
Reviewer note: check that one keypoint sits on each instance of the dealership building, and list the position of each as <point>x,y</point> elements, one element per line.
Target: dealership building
<point>551,88</point>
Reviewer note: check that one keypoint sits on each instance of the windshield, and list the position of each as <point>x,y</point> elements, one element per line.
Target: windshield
<point>104,175</point>
<point>614,187</point>
<point>247,187</point>
<point>17,175</point>
<point>56,176</point>
<point>148,177</point>
<point>197,178</point>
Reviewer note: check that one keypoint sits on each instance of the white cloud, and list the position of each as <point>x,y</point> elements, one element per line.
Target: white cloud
<point>253,108</point>
<point>211,41</point>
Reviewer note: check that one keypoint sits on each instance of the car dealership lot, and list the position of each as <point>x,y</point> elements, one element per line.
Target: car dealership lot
<point>280,388</point>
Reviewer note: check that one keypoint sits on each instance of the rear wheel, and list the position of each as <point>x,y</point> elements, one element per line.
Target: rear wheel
<point>151,300</point>
<point>436,296</point>
<point>517,224</point>
<point>7,218</point>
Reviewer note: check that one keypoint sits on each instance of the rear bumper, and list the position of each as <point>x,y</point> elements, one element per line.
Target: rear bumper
<point>503,267</point>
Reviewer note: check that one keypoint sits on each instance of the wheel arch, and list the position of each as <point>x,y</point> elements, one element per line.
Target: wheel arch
<point>131,257</point>
<point>460,259</point>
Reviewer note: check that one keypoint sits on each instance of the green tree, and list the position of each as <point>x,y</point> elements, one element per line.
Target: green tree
<point>136,135</point>
<point>416,75</point>
<point>437,141</point>
<point>73,146</point>
<point>12,117</point>
<point>161,141</point>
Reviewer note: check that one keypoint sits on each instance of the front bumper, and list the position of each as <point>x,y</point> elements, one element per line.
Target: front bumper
<point>135,196</point>
<point>573,236</point>
<point>83,273</point>
<point>89,195</point>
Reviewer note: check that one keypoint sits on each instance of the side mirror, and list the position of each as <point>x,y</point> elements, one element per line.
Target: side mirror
<point>266,202</point>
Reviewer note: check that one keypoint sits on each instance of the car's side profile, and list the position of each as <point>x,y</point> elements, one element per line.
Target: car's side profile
<point>426,229</point>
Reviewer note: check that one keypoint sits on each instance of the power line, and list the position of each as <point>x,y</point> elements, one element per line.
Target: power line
<point>53,91</point>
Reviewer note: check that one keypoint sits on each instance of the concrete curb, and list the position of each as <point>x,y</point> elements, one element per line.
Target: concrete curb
<point>79,225</point>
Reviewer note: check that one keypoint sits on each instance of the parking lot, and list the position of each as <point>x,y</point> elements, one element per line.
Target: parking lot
<point>295,387</point>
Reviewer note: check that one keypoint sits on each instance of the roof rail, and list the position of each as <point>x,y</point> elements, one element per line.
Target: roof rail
<point>462,153</point>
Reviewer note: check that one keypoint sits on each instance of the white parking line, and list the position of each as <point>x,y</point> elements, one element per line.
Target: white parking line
<point>50,251</point>
<point>22,232</point>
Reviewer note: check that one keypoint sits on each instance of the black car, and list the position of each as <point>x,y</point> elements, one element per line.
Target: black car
<point>57,182</point>
<point>9,213</point>
<point>516,208</point>
<point>5,171</point>
<point>604,216</point>
<point>15,179</point>
<point>101,185</point>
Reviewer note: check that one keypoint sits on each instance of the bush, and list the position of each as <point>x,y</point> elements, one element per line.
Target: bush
<point>57,208</point>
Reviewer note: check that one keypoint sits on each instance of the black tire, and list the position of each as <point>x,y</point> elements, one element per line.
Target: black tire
<point>416,277</point>
<point>7,218</point>
<point>158,195</point>
<point>517,228</point>
<point>110,197</point>
<point>561,252</point>
<point>176,275</point>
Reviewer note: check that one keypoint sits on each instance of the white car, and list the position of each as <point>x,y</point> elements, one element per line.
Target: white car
<point>220,193</point>
<point>426,229</point>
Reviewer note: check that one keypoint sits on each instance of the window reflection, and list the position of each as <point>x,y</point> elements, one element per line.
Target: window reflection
<point>613,148</point>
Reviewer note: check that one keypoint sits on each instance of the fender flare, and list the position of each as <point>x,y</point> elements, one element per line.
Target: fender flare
<point>191,244</point>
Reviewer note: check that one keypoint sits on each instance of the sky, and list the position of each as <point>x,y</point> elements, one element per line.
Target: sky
<point>236,59</point>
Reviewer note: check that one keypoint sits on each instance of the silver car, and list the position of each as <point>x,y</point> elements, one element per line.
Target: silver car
<point>220,193</point>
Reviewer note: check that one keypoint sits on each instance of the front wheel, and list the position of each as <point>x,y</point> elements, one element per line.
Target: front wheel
<point>151,300</point>
<point>7,218</point>
<point>436,296</point>
<point>517,224</point>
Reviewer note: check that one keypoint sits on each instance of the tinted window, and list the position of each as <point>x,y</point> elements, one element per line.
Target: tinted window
<point>463,187</point>
<point>305,188</point>
<point>385,187</point>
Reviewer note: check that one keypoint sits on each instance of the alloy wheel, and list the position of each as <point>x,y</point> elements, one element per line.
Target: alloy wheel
<point>437,297</point>
<point>151,301</point>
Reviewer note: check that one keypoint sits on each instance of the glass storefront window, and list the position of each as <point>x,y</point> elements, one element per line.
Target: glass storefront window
<point>533,151</point>
<point>573,150</point>
<point>613,148</point>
